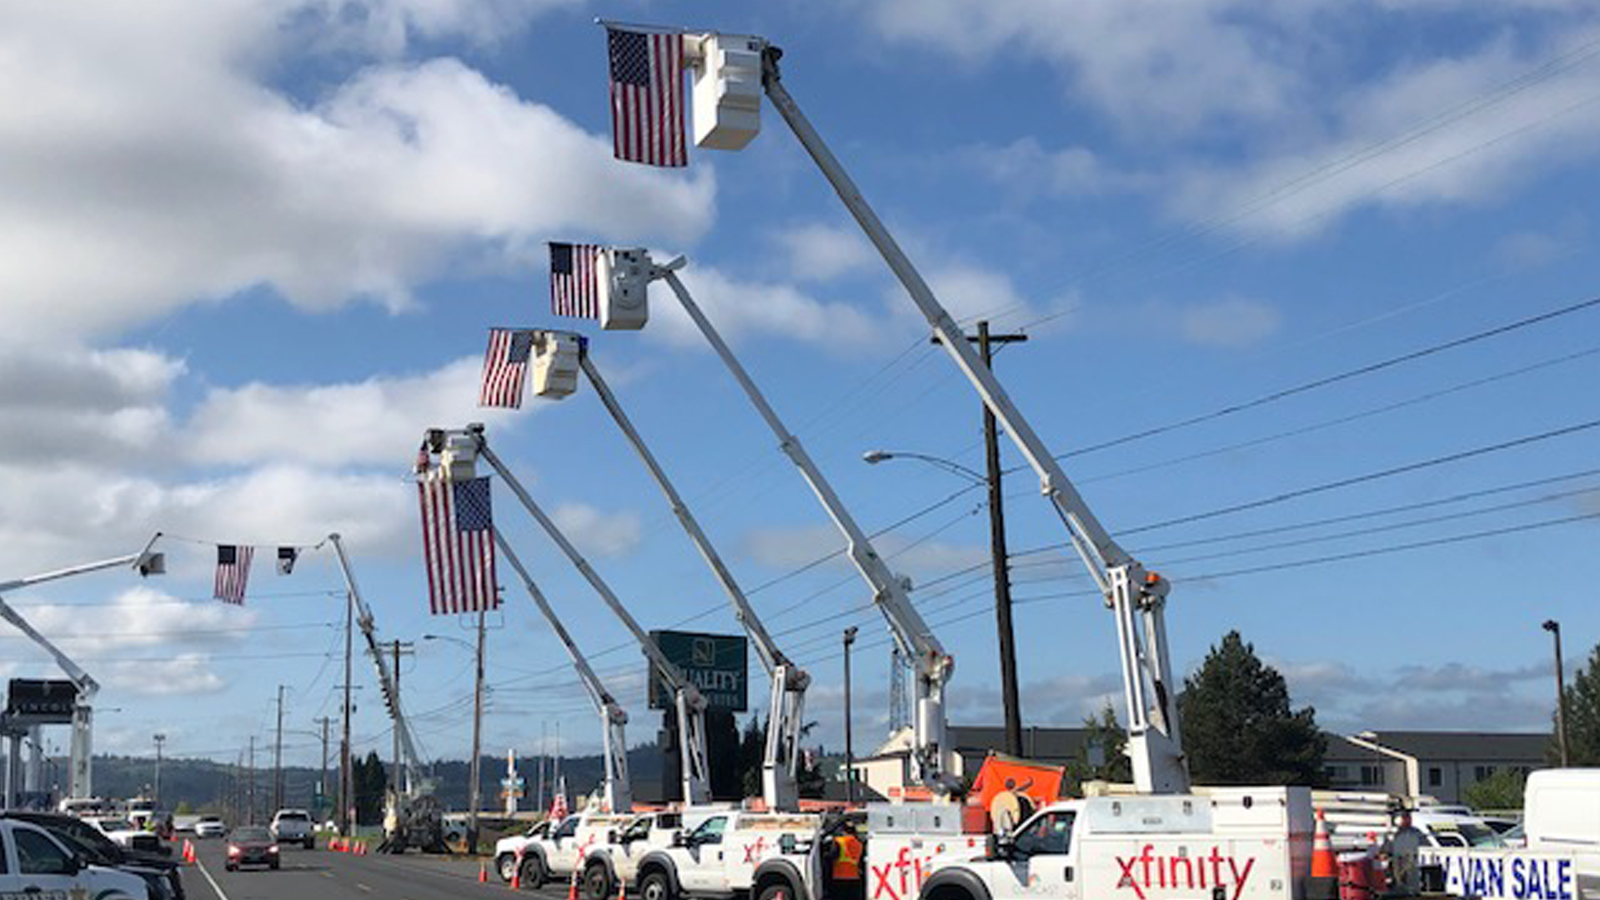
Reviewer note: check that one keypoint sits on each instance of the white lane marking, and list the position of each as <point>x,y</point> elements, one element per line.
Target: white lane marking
<point>214,886</point>
<point>363,887</point>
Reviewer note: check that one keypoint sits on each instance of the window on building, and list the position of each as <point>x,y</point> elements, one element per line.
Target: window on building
<point>1435,776</point>
<point>1371,775</point>
<point>1479,773</point>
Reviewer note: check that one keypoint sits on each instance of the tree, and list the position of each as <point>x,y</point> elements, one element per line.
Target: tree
<point>1500,791</point>
<point>1102,756</point>
<point>1583,713</point>
<point>753,750</point>
<point>370,783</point>
<point>1237,725</point>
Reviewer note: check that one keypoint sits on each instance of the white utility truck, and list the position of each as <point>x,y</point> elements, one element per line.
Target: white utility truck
<point>745,854</point>
<point>555,854</point>
<point>507,848</point>
<point>1562,859</point>
<point>33,863</point>
<point>616,858</point>
<point>1231,843</point>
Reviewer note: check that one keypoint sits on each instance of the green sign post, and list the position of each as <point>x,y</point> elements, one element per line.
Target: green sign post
<point>717,664</point>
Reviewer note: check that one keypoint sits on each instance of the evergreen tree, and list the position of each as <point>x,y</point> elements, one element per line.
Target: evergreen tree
<point>1583,714</point>
<point>1237,724</point>
<point>370,783</point>
<point>1103,756</point>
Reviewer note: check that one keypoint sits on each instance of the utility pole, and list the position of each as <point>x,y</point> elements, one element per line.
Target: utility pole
<point>159,739</point>
<point>1554,627</point>
<point>399,647</point>
<point>347,795</point>
<point>849,744</point>
<point>250,811</point>
<point>1009,694</point>
<point>538,792</point>
<point>322,785</point>
<point>277,758</point>
<point>473,800</point>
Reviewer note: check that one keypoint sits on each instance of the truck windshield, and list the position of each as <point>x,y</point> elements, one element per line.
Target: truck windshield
<point>1049,834</point>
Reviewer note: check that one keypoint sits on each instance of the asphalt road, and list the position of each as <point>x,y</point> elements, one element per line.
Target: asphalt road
<point>323,874</point>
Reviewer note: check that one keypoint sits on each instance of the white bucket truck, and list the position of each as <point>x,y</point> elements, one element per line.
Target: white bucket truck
<point>1562,858</point>
<point>1231,843</point>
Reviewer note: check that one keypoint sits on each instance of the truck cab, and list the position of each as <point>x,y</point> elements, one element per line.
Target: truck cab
<point>557,853</point>
<point>616,859</point>
<point>736,853</point>
<point>507,849</point>
<point>1237,843</point>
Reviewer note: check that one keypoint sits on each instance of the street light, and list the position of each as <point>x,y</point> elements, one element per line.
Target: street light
<point>159,739</point>
<point>473,800</point>
<point>1554,627</point>
<point>1009,692</point>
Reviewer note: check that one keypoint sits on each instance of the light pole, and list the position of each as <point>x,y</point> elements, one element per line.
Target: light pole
<point>1000,562</point>
<point>1554,627</point>
<point>473,799</point>
<point>849,746</point>
<point>159,739</point>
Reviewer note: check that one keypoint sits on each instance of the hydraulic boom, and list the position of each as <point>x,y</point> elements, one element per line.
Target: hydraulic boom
<point>779,766</point>
<point>457,449</point>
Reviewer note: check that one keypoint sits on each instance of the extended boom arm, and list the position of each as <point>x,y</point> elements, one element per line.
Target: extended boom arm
<point>616,792</point>
<point>1133,594</point>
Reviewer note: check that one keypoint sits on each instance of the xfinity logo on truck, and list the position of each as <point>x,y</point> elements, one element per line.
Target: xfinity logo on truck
<point>1148,871</point>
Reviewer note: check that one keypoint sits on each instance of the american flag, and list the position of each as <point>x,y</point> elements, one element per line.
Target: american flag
<point>287,556</point>
<point>558,806</point>
<point>647,97</point>
<point>575,280</point>
<point>458,544</point>
<point>505,365</point>
<point>233,573</point>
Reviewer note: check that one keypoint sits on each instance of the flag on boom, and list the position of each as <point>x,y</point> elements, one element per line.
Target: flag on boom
<point>233,573</point>
<point>287,557</point>
<point>647,96</point>
<point>505,366</point>
<point>575,280</point>
<point>458,544</point>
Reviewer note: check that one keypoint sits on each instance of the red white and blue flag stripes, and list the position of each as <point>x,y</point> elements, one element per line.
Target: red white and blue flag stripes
<point>505,367</point>
<point>647,97</point>
<point>233,573</point>
<point>575,280</point>
<point>458,544</point>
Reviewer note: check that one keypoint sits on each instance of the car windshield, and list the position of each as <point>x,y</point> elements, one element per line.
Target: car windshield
<point>1479,835</point>
<point>293,817</point>
<point>115,825</point>
<point>250,834</point>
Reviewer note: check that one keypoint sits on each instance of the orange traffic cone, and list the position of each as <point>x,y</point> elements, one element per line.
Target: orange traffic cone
<point>483,873</point>
<point>1323,883</point>
<point>188,852</point>
<point>622,889</point>
<point>516,872</point>
<point>572,887</point>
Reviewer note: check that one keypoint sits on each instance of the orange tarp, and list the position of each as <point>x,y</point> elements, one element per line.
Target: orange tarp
<point>1039,782</point>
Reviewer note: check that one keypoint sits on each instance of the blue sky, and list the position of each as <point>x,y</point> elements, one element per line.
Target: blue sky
<point>252,248</point>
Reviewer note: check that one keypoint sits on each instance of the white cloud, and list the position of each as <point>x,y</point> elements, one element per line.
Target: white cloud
<point>820,252</point>
<point>378,421</point>
<point>1230,322</point>
<point>739,307</point>
<point>152,167</point>
<point>1025,165</point>
<point>597,532</point>
<point>72,403</point>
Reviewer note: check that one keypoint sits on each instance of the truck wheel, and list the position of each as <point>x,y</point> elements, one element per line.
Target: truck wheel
<point>533,873</point>
<point>778,890</point>
<point>597,882</point>
<point>948,892</point>
<point>656,886</point>
<point>505,865</point>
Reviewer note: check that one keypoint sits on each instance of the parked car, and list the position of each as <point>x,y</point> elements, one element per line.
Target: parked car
<point>293,826</point>
<point>40,864</point>
<point>209,827</point>
<point>125,833</point>
<point>160,872</point>
<point>251,845</point>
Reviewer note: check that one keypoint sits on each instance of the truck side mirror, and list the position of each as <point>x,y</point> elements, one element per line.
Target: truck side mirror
<point>998,846</point>
<point>786,844</point>
<point>679,839</point>
<point>611,836</point>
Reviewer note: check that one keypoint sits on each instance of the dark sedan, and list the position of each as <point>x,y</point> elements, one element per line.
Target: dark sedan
<point>251,845</point>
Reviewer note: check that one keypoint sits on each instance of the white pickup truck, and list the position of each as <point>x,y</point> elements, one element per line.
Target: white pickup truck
<point>554,854</point>
<point>293,826</point>
<point>36,865</point>
<point>615,858</point>
<point>1561,860</point>
<point>1231,844</point>
<point>736,853</point>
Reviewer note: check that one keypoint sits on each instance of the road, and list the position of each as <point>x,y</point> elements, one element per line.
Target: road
<point>323,874</point>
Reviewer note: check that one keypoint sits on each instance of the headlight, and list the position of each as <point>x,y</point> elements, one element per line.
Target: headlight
<point>233,850</point>
<point>273,849</point>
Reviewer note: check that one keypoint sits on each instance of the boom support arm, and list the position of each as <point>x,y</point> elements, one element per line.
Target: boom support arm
<point>932,757</point>
<point>616,792</point>
<point>691,705</point>
<point>1136,597</point>
<point>415,783</point>
<point>780,787</point>
<point>80,781</point>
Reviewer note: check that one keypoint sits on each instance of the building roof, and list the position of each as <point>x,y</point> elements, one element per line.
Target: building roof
<point>1469,746</point>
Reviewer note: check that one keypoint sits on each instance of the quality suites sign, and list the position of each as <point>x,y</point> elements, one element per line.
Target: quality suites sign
<point>717,664</point>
